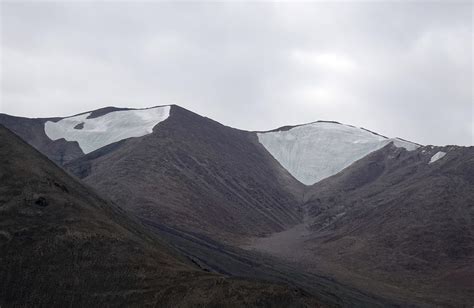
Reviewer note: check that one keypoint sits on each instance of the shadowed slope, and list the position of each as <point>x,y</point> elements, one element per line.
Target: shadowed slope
<point>62,245</point>
<point>403,220</point>
<point>32,131</point>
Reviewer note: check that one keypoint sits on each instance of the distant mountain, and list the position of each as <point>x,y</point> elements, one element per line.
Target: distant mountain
<point>61,245</point>
<point>383,216</point>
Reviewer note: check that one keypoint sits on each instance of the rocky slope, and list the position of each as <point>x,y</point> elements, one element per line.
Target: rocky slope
<point>395,222</point>
<point>63,245</point>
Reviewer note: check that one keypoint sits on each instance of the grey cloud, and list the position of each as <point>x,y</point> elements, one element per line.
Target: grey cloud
<point>402,69</point>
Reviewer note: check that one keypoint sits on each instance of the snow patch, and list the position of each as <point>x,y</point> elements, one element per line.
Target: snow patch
<point>109,128</point>
<point>313,152</point>
<point>437,156</point>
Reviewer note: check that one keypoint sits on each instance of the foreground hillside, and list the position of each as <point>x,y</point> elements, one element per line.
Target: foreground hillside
<point>63,245</point>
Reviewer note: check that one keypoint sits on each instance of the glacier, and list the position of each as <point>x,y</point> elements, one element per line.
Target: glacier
<point>94,133</point>
<point>315,151</point>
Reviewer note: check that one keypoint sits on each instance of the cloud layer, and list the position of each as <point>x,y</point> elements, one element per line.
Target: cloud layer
<point>401,69</point>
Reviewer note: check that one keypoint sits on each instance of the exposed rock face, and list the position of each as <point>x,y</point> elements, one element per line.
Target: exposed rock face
<point>61,244</point>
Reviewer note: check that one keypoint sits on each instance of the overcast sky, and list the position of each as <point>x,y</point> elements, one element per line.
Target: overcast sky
<point>401,69</point>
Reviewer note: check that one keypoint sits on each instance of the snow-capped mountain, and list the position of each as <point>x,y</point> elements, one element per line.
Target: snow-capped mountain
<point>344,193</point>
<point>309,152</point>
<point>315,151</point>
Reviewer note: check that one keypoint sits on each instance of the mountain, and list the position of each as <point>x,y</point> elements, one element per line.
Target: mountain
<point>198,175</point>
<point>397,222</point>
<point>358,218</point>
<point>64,245</point>
<point>169,164</point>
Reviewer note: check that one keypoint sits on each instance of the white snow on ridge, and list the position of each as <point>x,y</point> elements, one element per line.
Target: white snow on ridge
<point>437,156</point>
<point>315,151</point>
<point>106,129</point>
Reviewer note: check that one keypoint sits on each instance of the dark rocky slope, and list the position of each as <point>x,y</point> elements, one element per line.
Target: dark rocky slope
<point>196,174</point>
<point>63,245</point>
<point>394,224</point>
<point>395,217</point>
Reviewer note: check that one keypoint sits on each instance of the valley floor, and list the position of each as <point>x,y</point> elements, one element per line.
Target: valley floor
<point>294,245</point>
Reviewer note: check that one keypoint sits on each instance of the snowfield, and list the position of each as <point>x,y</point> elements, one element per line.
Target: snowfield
<point>109,128</point>
<point>437,156</point>
<point>315,151</point>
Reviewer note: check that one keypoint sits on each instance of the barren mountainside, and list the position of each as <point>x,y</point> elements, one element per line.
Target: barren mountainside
<point>355,217</point>
<point>196,174</point>
<point>393,222</point>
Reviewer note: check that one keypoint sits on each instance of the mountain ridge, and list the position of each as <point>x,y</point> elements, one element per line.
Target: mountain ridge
<point>107,109</point>
<point>69,149</point>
